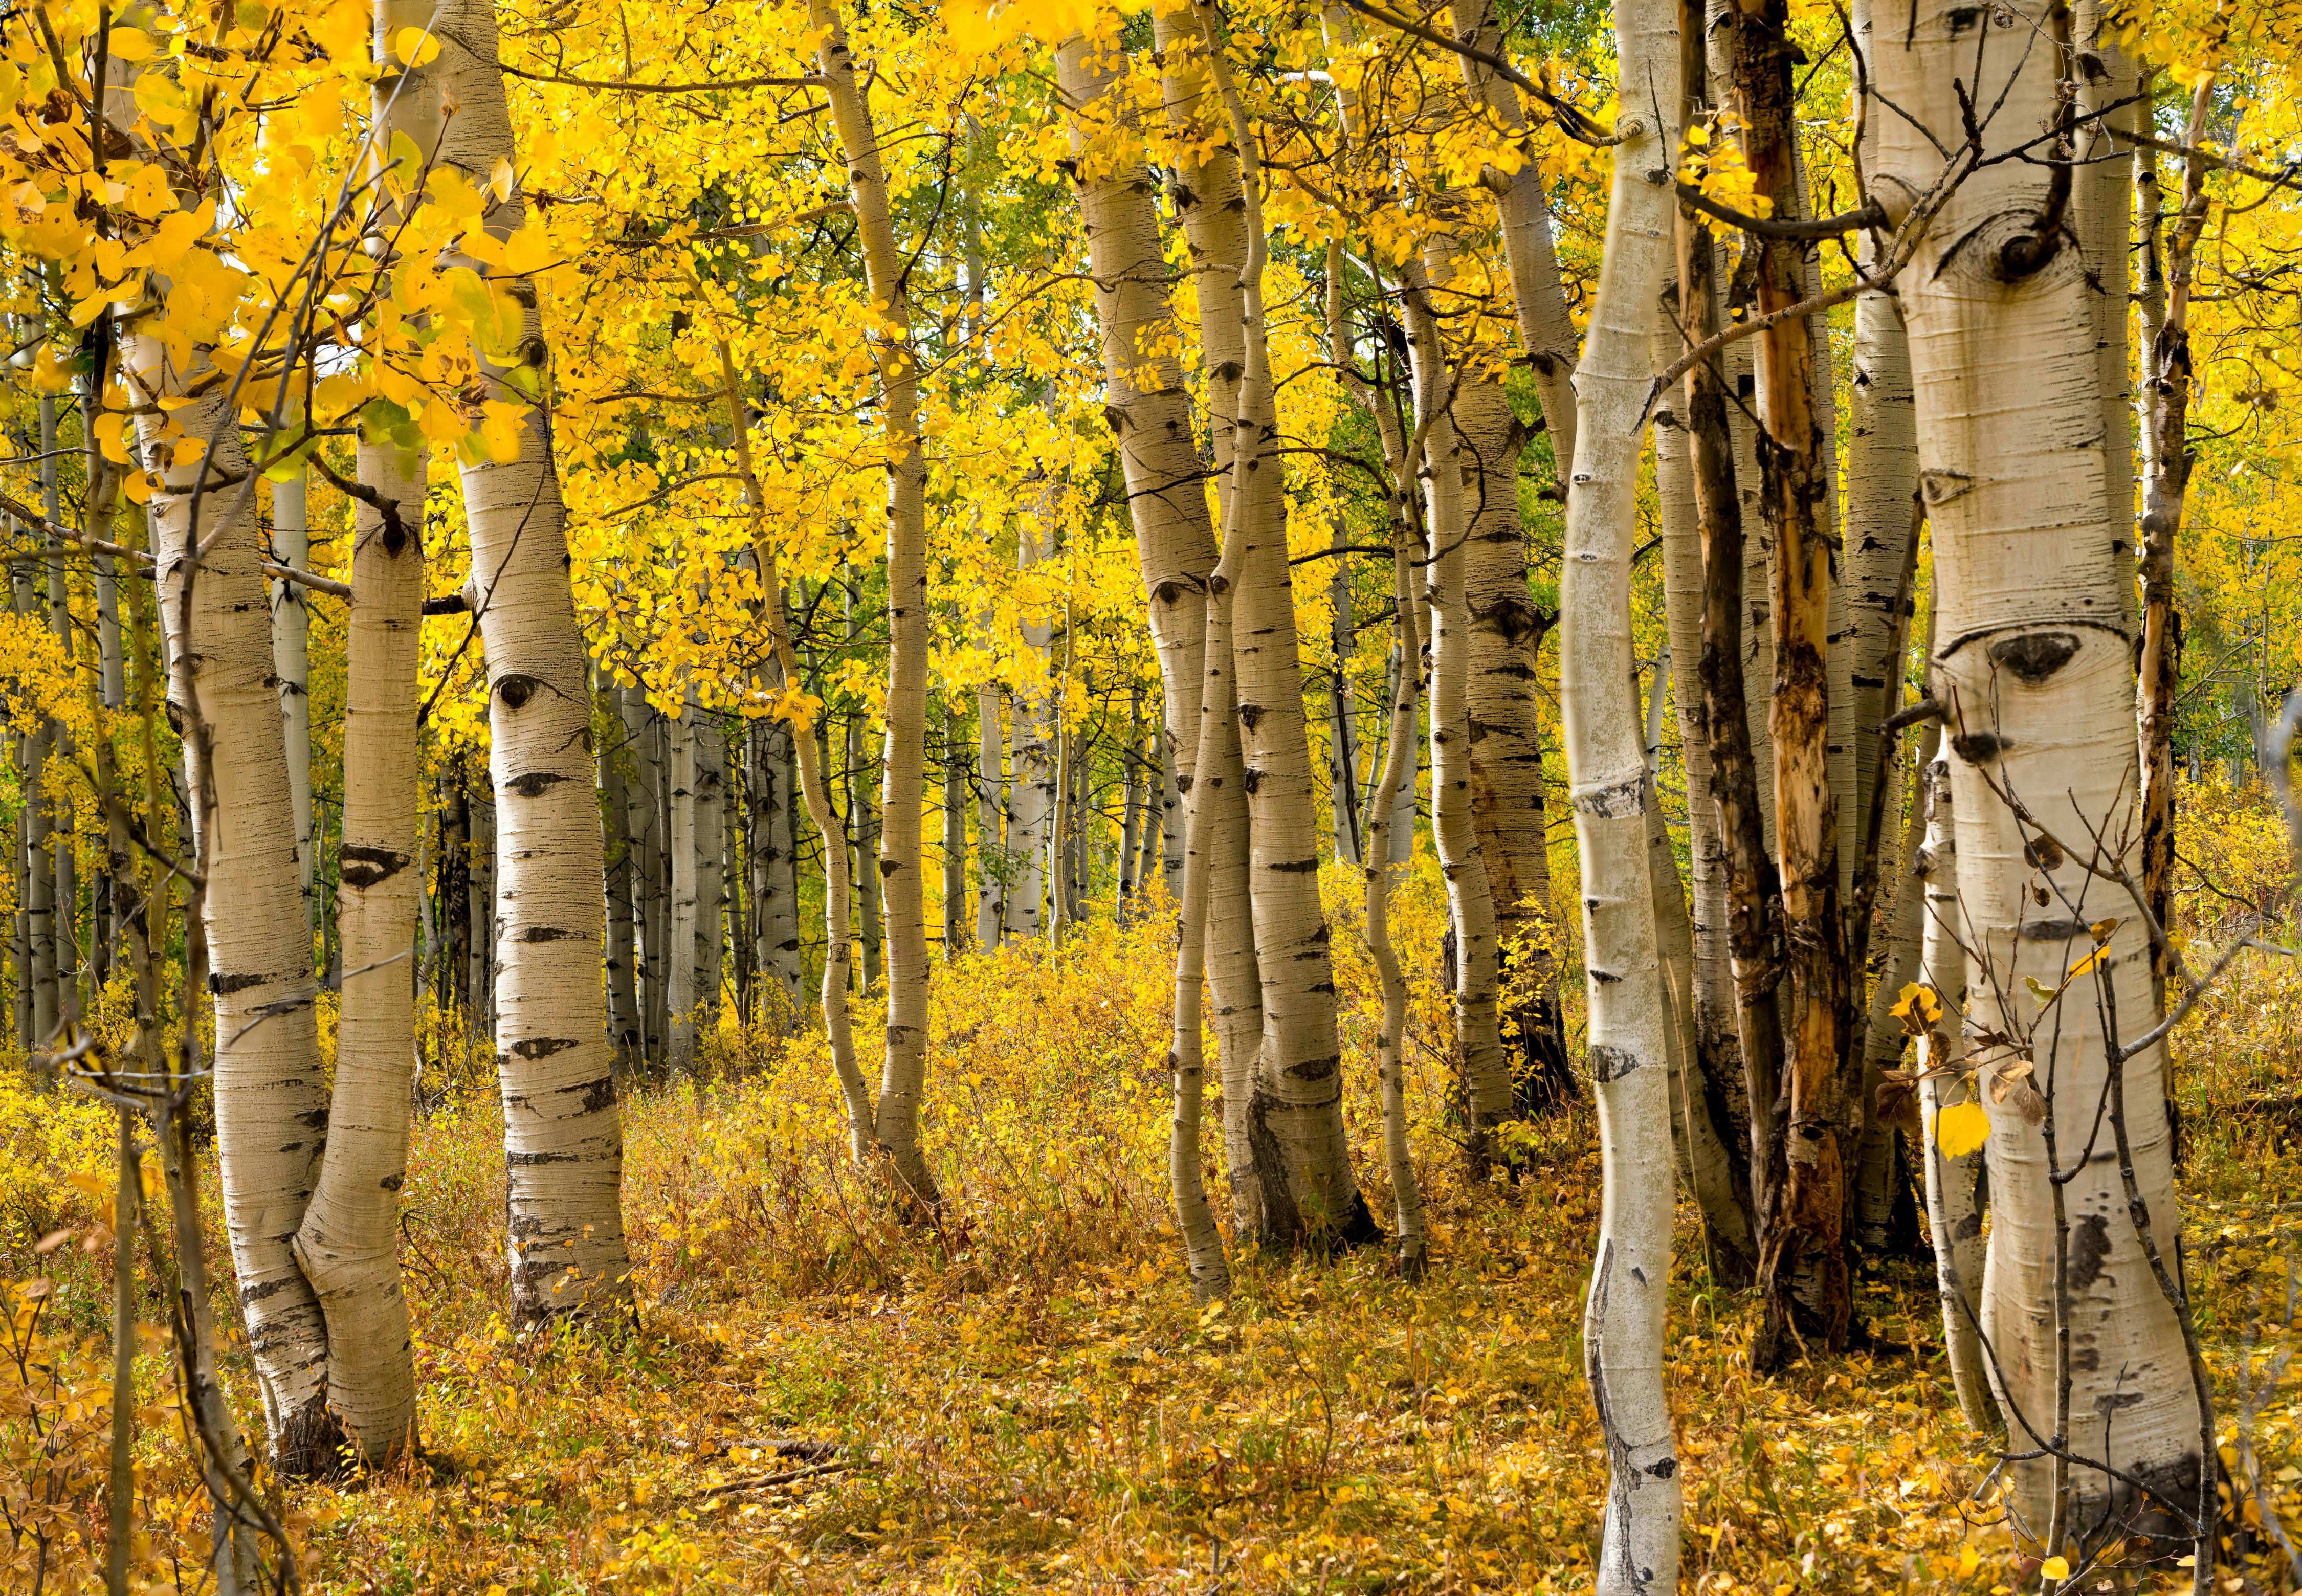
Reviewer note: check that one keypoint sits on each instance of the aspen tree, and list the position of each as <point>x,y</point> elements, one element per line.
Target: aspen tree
<point>990,761</point>
<point>1297,1102</point>
<point>1149,409</point>
<point>814,787</point>
<point>903,1079</point>
<point>1954,1194</point>
<point>563,1136</point>
<point>291,658</point>
<point>1478,1029</point>
<point>1703,1011</point>
<point>682,970</point>
<point>2171,262</point>
<point>1623,1313</point>
<point>349,1243</point>
<point>2031,664</point>
<point>1032,797</point>
<point>271,1096</point>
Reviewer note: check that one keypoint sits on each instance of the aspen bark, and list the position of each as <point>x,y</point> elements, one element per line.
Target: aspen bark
<point>1546,331</point>
<point>709,948</point>
<point>2166,408</point>
<point>1413,1252</point>
<point>990,851</point>
<point>272,1107</point>
<point>292,656</point>
<point>1954,1185</point>
<point>643,832</point>
<point>1623,1313</point>
<point>1296,1100</point>
<point>623,952</point>
<point>1488,1097</point>
<point>1149,408</point>
<point>902,1080</point>
<point>1504,710</point>
<point>1701,979</point>
<point>349,1243</point>
<point>1031,800</point>
<point>563,1136</point>
<point>1342,713</point>
<point>63,837</point>
<point>2031,662</point>
<point>682,995</point>
<point>955,836</point>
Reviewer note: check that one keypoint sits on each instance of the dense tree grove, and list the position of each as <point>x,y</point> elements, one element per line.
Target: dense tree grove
<point>1693,593</point>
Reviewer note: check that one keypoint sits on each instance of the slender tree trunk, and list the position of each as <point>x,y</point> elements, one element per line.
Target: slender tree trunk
<point>64,838</point>
<point>349,1243</point>
<point>680,978</point>
<point>271,1096</point>
<point>1880,1177</point>
<point>292,656</point>
<point>1954,1190</point>
<point>2166,402</point>
<point>1546,331</point>
<point>643,825</point>
<point>1132,771</point>
<point>1752,937</point>
<point>2105,83</point>
<point>1342,712</point>
<point>712,901</point>
<point>1802,1262</point>
<point>1702,993</point>
<point>1623,1313</point>
<point>954,834</point>
<point>1296,1103</point>
<point>563,1134</point>
<point>779,895</point>
<point>1488,1095</point>
<point>2032,665</point>
<point>1031,800</point>
<point>1413,1252</point>
<point>1149,409</point>
<point>903,1079</point>
<point>990,854</point>
<point>624,1026</point>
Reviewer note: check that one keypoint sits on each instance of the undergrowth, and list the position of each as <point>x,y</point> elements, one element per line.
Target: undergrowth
<point>813,1397</point>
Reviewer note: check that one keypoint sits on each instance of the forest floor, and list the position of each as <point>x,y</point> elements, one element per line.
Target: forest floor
<point>815,1398</point>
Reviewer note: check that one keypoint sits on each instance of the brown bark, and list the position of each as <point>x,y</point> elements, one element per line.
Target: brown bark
<point>1804,1254</point>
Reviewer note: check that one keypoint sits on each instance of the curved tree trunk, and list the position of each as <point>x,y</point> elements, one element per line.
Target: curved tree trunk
<point>1488,1099</point>
<point>1150,412</point>
<point>1390,1061</point>
<point>1623,1316</point>
<point>903,1079</point>
<point>2031,662</point>
<point>272,1106</point>
<point>563,1132</point>
<point>1292,1108</point>
<point>349,1243</point>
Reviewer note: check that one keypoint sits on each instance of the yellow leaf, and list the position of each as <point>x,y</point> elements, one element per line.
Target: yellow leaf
<point>1961,1129</point>
<point>525,251</point>
<point>416,47</point>
<point>2085,964</point>
<point>149,193</point>
<point>129,44</point>
<point>2055,1568</point>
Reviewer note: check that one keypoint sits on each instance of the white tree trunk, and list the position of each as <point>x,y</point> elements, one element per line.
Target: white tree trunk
<point>291,659</point>
<point>1954,1185</point>
<point>990,808</point>
<point>1624,1313</point>
<point>271,1096</point>
<point>1031,800</point>
<point>1342,712</point>
<point>349,1243</point>
<point>2031,661</point>
<point>680,982</point>
<point>563,1134</point>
